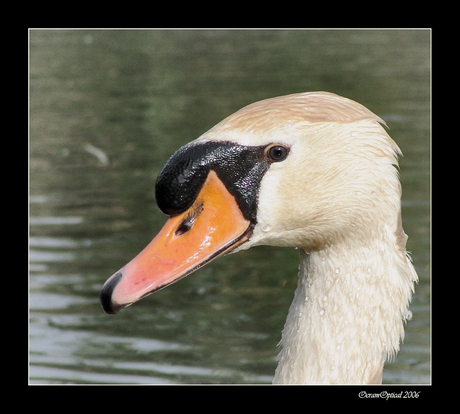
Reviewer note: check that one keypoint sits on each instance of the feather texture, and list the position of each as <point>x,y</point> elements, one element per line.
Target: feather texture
<point>337,198</point>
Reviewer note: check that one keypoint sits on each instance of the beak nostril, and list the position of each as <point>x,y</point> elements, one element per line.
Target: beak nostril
<point>189,221</point>
<point>184,227</point>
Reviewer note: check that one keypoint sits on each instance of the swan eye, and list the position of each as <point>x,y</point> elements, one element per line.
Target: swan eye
<point>277,153</point>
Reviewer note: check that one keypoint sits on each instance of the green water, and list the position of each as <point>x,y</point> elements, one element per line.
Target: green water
<point>107,109</point>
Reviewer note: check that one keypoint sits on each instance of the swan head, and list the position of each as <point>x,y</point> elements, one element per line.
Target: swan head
<point>305,170</point>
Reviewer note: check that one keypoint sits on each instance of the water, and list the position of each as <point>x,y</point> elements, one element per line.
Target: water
<point>107,109</point>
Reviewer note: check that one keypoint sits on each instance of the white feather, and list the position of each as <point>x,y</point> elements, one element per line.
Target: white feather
<point>337,198</point>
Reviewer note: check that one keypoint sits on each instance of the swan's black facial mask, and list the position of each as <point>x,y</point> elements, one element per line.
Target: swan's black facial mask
<point>239,167</point>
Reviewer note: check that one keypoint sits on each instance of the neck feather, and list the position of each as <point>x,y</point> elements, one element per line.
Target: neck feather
<point>348,314</point>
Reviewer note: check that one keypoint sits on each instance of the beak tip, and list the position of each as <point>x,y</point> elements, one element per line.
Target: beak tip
<point>108,305</point>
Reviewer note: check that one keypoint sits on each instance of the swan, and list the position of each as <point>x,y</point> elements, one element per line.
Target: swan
<point>313,171</point>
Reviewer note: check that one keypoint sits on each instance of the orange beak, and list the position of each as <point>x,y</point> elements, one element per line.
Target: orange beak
<point>212,226</point>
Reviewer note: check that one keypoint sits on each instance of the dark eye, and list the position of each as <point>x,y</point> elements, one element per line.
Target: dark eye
<point>277,153</point>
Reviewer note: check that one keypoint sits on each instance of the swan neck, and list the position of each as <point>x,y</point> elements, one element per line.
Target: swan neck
<point>347,316</point>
